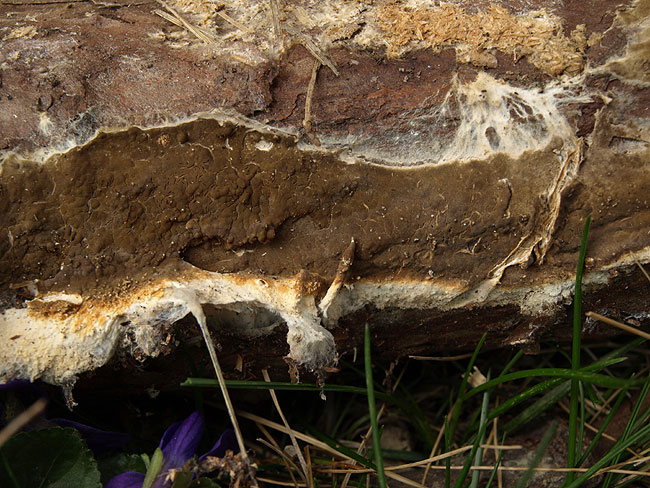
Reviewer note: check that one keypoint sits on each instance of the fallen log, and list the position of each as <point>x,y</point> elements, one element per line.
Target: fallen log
<point>424,169</point>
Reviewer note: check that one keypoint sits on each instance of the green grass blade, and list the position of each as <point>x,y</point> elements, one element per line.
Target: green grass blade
<point>538,455</point>
<point>630,425</point>
<point>591,394</point>
<point>346,451</point>
<point>447,449</point>
<point>10,471</point>
<point>583,374</point>
<point>525,395</point>
<point>372,408</point>
<point>620,446</point>
<point>418,419</point>
<point>512,362</point>
<point>496,465</point>
<point>599,434</point>
<point>559,389</point>
<point>474,423</point>
<point>361,372</point>
<point>641,469</point>
<point>635,418</point>
<point>284,386</point>
<point>356,426</point>
<point>575,357</point>
<point>582,417</point>
<point>341,417</point>
<point>461,391</point>
<point>537,408</point>
<point>622,350</point>
<point>451,427</point>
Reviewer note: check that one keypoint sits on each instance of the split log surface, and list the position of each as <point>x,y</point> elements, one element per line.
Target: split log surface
<point>424,169</point>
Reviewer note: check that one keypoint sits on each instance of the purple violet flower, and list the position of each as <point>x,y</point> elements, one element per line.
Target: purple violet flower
<point>178,445</point>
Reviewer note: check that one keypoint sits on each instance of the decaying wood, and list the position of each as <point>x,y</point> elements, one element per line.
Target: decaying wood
<point>152,161</point>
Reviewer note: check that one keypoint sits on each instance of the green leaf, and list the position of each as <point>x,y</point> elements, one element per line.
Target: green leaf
<point>146,460</point>
<point>182,480</point>
<point>48,458</point>
<point>113,465</point>
<point>156,464</point>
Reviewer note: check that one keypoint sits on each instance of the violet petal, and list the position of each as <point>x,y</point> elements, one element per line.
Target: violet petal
<point>180,440</point>
<point>128,479</point>
<point>228,440</point>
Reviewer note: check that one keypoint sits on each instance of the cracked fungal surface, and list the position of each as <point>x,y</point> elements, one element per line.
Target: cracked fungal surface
<point>225,197</point>
<point>228,198</point>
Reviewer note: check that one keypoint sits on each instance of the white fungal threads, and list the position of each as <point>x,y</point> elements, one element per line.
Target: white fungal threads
<point>475,120</point>
<point>497,117</point>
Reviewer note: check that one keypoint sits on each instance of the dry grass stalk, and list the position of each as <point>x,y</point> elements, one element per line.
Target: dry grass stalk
<point>509,468</point>
<point>232,21</point>
<point>590,427</point>
<point>645,273</point>
<point>322,446</point>
<point>294,442</point>
<point>202,34</point>
<point>310,473</point>
<point>272,440</point>
<point>493,438</point>
<point>22,420</point>
<point>311,47</point>
<point>195,309</point>
<point>306,123</point>
<point>289,464</point>
<point>603,407</point>
<point>275,13</point>
<point>620,325</point>
<point>281,483</point>
<point>435,448</point>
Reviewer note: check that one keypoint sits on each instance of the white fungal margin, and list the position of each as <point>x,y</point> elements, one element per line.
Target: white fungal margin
<point>59,347</point>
